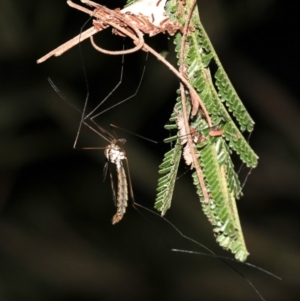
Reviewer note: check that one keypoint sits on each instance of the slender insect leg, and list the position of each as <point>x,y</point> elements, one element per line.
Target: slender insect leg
<point>91,116</point>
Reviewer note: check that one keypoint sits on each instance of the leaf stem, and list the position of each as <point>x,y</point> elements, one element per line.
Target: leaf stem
<point>183,100</point>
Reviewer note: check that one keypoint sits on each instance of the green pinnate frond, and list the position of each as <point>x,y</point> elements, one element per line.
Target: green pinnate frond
<point>225,220</point>
<point>233,102</point>
<point>214,133</point>
<point>225,88</point>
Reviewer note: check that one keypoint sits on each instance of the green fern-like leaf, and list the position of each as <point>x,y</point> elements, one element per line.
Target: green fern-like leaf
<point>214,153</point>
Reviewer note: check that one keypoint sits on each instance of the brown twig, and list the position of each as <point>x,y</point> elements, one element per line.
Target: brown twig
<point>69,44</point>
<point>83,35</point>
<point>185,115</point>
<point>141,21</point>
<point>120,29</point>
<point>110,17</point>
<point>196,100</point>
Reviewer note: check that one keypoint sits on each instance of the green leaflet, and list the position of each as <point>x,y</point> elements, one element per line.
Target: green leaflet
<point>166,183</point>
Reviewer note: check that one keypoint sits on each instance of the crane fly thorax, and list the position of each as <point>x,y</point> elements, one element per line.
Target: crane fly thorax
<point>114,153</point>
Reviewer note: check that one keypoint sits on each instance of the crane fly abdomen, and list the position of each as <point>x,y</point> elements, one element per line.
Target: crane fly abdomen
<point>122,196</point>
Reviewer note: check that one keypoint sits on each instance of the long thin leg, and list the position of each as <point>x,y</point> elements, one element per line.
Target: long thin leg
<point>124,100</point>
<point>109,94</point>
<point>101,131</point>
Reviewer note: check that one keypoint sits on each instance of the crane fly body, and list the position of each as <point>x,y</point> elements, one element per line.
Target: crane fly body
<point>115,154</point>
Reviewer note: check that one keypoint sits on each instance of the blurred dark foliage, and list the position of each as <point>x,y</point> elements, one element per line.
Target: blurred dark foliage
<point>56,237</point>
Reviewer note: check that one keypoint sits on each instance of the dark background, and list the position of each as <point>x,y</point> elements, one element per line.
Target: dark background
<point>56,237</point>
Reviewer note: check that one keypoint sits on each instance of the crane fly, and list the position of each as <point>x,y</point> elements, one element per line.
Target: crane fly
<point>114,153</point>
